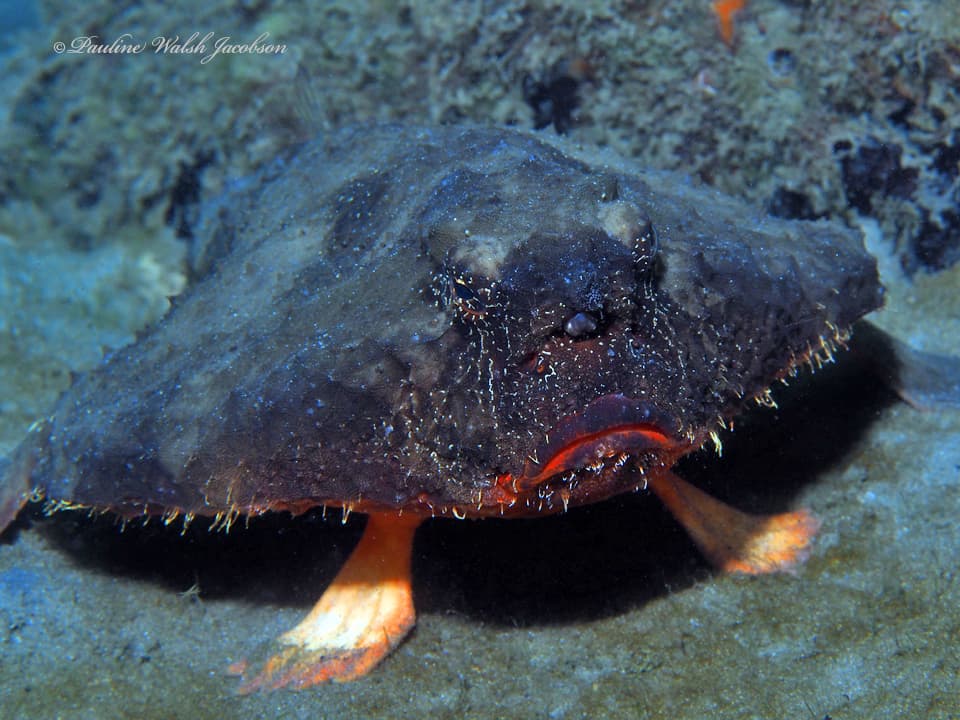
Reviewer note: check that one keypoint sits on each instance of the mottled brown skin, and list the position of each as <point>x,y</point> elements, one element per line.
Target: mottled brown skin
<point>391,318</point>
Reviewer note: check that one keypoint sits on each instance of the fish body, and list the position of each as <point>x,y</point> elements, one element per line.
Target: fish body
<point>399,316</point>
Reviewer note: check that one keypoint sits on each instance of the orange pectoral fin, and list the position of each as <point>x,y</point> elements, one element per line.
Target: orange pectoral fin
<point>364,614</point>
<point>732,540</point>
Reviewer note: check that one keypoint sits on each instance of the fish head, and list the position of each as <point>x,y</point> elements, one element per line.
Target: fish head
<point>609,329</point>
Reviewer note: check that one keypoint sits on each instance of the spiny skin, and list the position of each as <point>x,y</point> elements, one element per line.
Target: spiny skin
<point>381,319</point>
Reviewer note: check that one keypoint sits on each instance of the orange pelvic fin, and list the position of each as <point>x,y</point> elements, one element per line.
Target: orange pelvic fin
<point>735,541</point>
<point>364,614</point>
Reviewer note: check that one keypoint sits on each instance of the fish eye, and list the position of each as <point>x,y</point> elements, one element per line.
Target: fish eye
<point>465,298</point>
<point>463,292</point>
<point>580,324</point>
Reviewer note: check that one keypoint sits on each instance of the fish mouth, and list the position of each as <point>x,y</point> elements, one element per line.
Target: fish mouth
<point>608,431</point>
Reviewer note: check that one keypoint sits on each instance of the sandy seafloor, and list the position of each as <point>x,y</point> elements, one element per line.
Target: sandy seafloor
<point>605,612</point>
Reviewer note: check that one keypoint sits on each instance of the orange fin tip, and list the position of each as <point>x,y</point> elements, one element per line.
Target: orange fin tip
<point>732,540</point>
<point>364,614</point>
